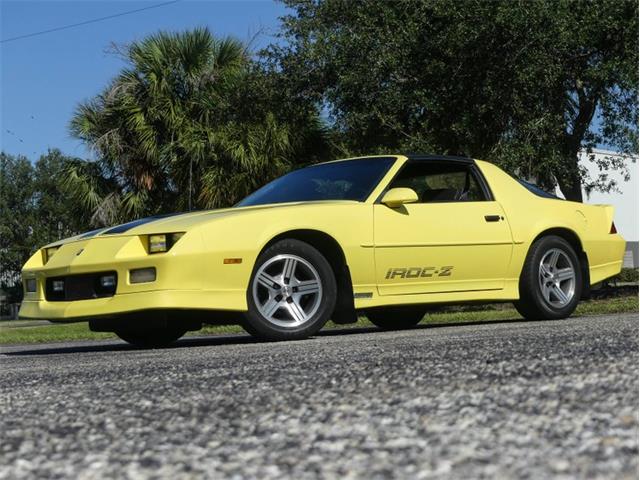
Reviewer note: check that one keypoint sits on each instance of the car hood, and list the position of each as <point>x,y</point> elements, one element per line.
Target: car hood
<point>182,222</point>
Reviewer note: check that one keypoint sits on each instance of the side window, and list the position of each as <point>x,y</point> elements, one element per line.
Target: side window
<point>440,182</point>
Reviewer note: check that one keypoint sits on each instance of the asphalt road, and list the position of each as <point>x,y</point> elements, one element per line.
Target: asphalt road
<point>511,399</point>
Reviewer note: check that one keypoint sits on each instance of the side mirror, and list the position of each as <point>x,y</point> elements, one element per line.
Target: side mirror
<point>397,197</point>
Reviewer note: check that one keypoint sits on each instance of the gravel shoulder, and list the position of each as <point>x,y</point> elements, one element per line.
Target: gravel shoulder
<point>506,399</point>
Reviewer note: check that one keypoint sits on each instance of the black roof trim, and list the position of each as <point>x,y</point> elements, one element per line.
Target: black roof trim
<point>445,158</point>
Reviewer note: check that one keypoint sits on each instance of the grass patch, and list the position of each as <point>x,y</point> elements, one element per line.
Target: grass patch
<point>65,332</point>
<point>626,275</point>
<point>17,333</point>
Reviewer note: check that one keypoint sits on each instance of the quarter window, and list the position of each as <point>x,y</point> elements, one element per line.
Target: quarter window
<point>437,182</point>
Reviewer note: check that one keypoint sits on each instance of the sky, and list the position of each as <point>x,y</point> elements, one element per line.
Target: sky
<point>44,77</point>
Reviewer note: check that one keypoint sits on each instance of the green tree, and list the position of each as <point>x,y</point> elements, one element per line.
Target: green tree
<point>55,214</point>
<point>191,122</point>
<point>526,84</point>
<point>35,209</point>
<point>16,214</point>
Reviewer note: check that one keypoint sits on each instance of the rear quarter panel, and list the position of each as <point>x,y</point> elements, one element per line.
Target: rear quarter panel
<point>530,215</point>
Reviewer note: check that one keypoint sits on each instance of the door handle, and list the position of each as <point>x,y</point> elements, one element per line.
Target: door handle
<point>492,218</point>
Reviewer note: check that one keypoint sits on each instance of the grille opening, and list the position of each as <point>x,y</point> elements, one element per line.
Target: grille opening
<point>80,287</point>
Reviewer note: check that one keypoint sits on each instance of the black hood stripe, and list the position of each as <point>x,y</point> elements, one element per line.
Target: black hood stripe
<point>136,223</point>
<point>92,233</point>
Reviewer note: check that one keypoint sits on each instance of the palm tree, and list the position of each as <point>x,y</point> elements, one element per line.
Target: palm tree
<point>177,129</point>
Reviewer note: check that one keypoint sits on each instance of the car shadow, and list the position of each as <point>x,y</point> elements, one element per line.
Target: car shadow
<point>119,345</point>
<point>219,340</point>
<point>358,330</point>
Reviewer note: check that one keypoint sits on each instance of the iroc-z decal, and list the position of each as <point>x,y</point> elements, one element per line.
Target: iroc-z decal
<point>419,272</point>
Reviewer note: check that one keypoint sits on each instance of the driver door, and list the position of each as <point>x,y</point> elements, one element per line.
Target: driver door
<point>455,238</point>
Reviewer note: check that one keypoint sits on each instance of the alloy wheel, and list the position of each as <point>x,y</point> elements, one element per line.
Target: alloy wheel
<point>287,290</point>
<point>557,278</point>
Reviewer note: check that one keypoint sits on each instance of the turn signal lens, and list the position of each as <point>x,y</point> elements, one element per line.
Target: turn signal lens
<point>49,252</point>
<point>142,275</point>
<point>613,228</point>
<point>162,242</point>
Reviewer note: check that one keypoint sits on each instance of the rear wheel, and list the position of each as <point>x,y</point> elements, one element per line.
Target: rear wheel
<point>152,337</point>
<point>292,292</point>
<point>551,280</point>
<point>395,318</point>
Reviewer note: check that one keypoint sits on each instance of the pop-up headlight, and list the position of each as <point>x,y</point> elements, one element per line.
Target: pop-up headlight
<point>157,243</point>
<point>47,253</point>
<point>162,242</point>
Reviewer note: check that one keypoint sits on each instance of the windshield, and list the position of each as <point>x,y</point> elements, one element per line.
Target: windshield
<point>344,180</point>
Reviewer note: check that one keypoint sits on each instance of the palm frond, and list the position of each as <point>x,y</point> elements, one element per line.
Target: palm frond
<point>179,118</point>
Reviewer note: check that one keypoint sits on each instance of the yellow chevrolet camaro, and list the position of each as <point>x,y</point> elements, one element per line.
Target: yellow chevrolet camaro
<point>385,235</point>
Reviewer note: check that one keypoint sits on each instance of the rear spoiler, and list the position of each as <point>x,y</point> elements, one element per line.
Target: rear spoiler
<point>609,211</point>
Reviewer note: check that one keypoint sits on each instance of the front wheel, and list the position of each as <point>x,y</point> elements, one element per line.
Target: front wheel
<point>292,292</point>
<point>395,318</point>
<point>551,280</point>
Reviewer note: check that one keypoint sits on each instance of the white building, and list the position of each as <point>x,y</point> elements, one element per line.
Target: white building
<point>625,199</point>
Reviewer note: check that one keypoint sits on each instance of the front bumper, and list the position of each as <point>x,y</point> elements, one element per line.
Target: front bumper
<point>180,279</point>
<point>120,304</point>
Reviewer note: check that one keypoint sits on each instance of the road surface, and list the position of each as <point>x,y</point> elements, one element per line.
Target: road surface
<point>509,399</point>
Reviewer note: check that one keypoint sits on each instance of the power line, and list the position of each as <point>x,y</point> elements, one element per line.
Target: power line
<point>86,22</point>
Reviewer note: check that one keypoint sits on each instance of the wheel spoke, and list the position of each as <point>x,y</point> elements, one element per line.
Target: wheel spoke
<point>565,274</point>
<point>560,295</point>
<point>268,281</point>
<point>308,286</point>
<point>553,260</point>
<point>545,270</point>
<point>270,307</point>
<point>296,311</point>
<point>289,269</point>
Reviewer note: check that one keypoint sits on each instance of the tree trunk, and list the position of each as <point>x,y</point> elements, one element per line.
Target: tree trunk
<point>570,182</point>
<point>571,185</point>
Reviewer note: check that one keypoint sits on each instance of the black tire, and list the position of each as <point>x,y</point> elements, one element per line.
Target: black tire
<point>321,304</point>
<point>533,303</point>
<point>395,318</point>
<point>151,338</point>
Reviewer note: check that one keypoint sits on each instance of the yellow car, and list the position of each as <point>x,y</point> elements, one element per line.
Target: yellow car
<point>384,235</point>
